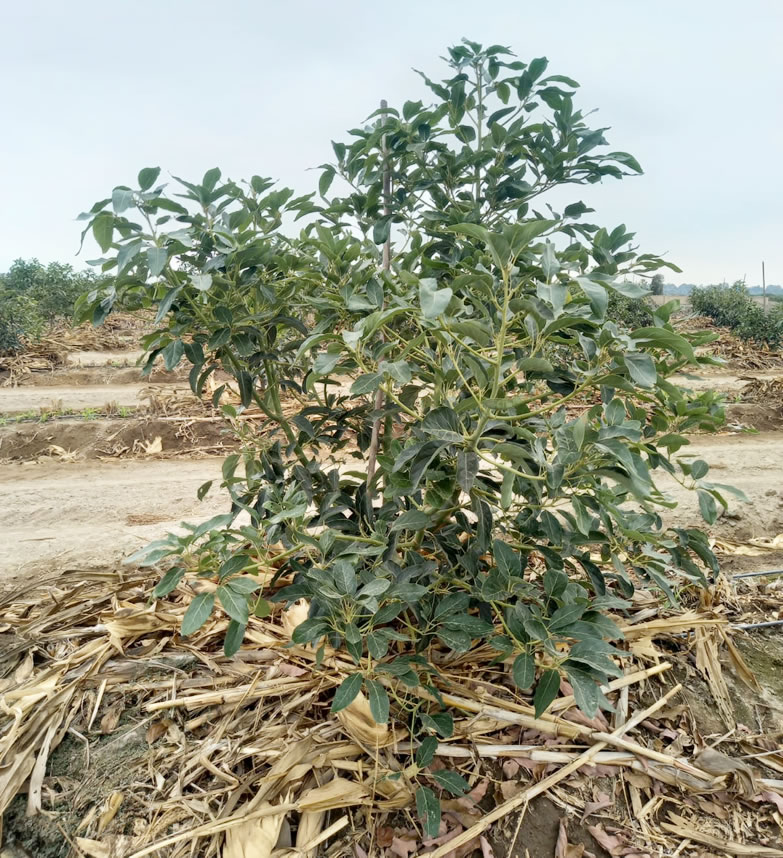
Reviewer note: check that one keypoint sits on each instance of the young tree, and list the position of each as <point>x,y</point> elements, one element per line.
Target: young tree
<point>657,284</point>
<point>514,500</point>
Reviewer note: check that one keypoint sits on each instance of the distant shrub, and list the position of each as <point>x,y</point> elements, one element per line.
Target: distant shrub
<point>33,296</point>
<point>733,307</point>
<point>632,313</point>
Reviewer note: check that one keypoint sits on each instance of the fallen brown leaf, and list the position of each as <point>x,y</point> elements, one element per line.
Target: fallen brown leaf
<point>111,717</point>
<point>600,803</point>
<point>384,836</point>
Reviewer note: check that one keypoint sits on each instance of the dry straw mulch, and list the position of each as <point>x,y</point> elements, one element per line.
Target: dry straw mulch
<point>47,353</point>
<point>740,354</point>
<point>240,757</point>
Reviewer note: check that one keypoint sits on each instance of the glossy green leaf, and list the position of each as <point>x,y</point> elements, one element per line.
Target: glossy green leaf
<point>197,613</point>
<point>428,808</point>
<point>452,782</point>
<point>346,692</point>
<point>523,670</point>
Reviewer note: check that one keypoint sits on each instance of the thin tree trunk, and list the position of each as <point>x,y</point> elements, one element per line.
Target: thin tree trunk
<point>372,457</point>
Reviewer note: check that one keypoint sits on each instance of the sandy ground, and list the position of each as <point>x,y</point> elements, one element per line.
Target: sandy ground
<point>56,516</point>
<point>116,358</point>
<point>20,400</point>
<point>723,380</point>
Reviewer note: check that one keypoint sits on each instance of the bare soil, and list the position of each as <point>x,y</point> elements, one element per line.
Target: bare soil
<point>65,397</point>
<point>57,515</point>
<point>74,438</point>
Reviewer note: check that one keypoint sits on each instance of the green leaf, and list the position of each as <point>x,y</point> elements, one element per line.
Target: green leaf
<point>474,626</point>
<point>441,722</point>
<point>310,630</point>
<point>523,671</point>
<point>467,469</point>
<point>665,339</point>
<point>471,229</point>
<point>433,301</point>
<point>234,604</point>
<point>451,781</point>
<point>121,199</point>
<point>407,592</point>
<point>172,354</point>
<point>325,182</point>
<point>376,587</point>
<point>428,808</point>
<point>367,383</point>
<point>211,178</point>
<point>425,753</point>
<point>347,692</point>
<point>233,640</point>
<point>378,699</point>
<point>381,230</point>
<point>344,577</point>
<point>244,585</point>
<point>443,424</point>
<point>596,294</point>
<point>708,507</point>
<point>699,469</point>
<point>156,260</point>
<point>103,230</point>
<point>533,364</point>
<point>585,690</point>
<point>377,644</point>
<point>413,519</point>
<point>234,564</point>
<point>399,370</point>
<point>459,641</point>
<point>325,362</point>
<point>147,177</point>
<point>546,691</point>
<point>168,582</point>
<point>507,559</point>
<point>197,613</point>
<point>202,282</point>
<point>641,368</point>
<point>262,608</point>
<point>564,616</point>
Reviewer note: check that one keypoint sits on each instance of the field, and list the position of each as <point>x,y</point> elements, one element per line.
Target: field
<point>96,461</point>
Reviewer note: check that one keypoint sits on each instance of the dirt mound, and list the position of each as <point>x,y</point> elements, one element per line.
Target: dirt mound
<point>74,439</point>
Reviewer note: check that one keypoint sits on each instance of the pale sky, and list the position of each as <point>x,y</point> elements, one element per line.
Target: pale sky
<point>93,90</point>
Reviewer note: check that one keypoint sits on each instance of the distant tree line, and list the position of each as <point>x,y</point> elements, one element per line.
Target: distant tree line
<point>34,295</point>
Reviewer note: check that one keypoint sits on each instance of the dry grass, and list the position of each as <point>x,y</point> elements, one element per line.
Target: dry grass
<point>237,753</point>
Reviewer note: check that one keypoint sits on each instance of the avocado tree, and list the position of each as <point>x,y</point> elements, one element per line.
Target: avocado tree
<point>437,316</point>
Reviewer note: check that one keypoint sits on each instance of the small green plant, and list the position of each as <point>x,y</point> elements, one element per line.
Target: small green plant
<point>489,478</point>
<point>89,413</point>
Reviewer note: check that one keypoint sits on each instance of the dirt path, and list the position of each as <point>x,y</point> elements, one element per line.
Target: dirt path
<point>20,400</point>
<point>726,381</point>
<point>752,463</point>
<point>108,358</point>
<point>55,516</point>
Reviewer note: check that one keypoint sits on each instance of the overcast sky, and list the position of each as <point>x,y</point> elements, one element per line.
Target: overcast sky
<point>92,90</point>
